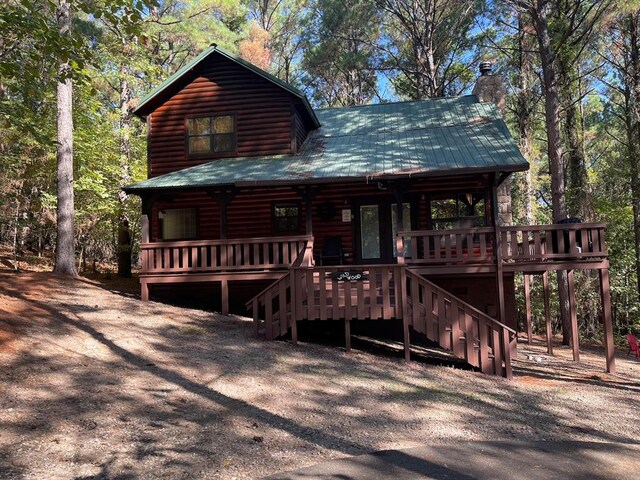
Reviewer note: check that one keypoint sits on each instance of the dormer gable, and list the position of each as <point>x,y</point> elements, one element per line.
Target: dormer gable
<point>220,106</point>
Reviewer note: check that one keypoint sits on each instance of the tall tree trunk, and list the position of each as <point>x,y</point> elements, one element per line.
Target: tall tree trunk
<point>524,113</point>
<point>124,235</point>
<point>577,188</point>
<point>65,262</point>
<point>632,120</point>
<point>554,144</point>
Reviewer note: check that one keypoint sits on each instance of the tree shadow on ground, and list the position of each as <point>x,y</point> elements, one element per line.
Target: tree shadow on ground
<point>106,385</point>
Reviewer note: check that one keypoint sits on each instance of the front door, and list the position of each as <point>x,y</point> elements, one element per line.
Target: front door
<point>376,231</point>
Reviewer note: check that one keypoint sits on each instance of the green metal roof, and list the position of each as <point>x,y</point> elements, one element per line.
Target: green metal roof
<point>234,58</point>
<point>431,137</point>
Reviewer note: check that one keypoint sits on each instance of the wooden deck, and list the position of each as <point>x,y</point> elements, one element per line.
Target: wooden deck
<point>401,291</point>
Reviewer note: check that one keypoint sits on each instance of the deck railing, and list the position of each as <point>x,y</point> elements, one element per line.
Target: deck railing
<point>460,328</point>
<point>543,243</point>
<point>339,292</point>
<point>202,256</point>
<point>519,244</point>
<point>464,245</point>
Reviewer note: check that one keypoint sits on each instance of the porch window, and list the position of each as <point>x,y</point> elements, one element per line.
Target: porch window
<point>216,134</point>
<point>178,223</point>
<point>460,210</point>
<point>286,217</point>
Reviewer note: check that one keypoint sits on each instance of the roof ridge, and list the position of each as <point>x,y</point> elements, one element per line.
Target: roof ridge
<point>424,100</point>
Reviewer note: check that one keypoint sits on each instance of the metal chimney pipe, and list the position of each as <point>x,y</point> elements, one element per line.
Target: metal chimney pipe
<point>485,68</point>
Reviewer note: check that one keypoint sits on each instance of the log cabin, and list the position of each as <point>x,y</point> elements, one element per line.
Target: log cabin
<point>384,212</point>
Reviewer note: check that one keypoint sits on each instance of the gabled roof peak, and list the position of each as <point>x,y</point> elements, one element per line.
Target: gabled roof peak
<point>214,48</point>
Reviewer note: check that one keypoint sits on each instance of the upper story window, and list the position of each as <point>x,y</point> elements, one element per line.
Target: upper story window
<point>460,210</point>
<point>214,134</point>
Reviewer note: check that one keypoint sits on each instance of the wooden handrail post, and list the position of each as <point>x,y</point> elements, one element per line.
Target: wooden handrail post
<point>547,312</point>
<point>527,306</point>
<point>605,295</point>
<point>575,341</point>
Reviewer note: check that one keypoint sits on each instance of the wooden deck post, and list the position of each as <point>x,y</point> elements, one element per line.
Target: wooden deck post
<point>224,293</point>
<point>605,296</point>
<point>498,250</point>
<point>527,307</point>
<point>347,334</point>
<point>547,312</point>
<point>399,194</point>
<point>573,314</point>
<point>403,306</point>
<point>144,291</point>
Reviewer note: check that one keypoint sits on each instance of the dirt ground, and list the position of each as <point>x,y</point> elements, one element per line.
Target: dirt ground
<point>95,384</point>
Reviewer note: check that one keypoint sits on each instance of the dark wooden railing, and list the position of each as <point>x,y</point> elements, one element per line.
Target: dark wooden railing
<point>465,245</point>
<point>469,333</point>
<point>372,294</point>
<point>202,256</point>
<point>519,244</point>
<point>543,243</point>
<point>271,308</point>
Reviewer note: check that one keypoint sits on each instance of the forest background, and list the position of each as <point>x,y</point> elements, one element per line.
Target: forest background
<point>571,68</point>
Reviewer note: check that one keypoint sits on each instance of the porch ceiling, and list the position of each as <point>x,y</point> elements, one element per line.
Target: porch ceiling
<point>446,136</point>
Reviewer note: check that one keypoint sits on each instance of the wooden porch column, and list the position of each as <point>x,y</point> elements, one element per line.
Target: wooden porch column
<point>527,307</point>
<point>308,193</point>
<point>398,192</point>
<point>574,317</point>
<point>147,202</point>
<point>605,296</point>
<point>547,312</point>
<point>498,249</point>
<point>223,198</point>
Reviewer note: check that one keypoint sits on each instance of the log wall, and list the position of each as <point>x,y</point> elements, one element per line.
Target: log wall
<point>264,121</point>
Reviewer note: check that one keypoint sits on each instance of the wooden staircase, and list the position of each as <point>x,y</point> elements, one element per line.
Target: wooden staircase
<point>385,292</point>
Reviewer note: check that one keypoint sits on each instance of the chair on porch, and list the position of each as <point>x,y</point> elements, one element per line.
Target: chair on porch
<point>332,253</point>
<point>633,345</point>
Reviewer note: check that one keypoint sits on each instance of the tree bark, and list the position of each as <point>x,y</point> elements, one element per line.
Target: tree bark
<point>554,144</point>
<point>124,235</point>
<point>631,24</point>
<point>65,262</point>
<point>524,113</point>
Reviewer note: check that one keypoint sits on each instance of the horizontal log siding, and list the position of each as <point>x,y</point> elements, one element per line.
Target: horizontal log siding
<point>263,115</point>
<point>250,213</point>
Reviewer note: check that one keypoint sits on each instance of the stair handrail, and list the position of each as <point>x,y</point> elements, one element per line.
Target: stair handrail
<point>304,260</point>
<point>480,313</point>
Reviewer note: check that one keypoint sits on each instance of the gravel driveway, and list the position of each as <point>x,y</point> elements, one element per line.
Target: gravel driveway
<point>96,384</point>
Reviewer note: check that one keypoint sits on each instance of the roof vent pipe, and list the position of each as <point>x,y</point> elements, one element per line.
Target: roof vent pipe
<point>485,68</point>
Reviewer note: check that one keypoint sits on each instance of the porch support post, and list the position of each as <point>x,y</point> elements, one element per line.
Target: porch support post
<point>574,317</point>
<point>398,192</point>
<point>224,293</point>
<point>547,312</point>
<point>147,202</point>
<point>605,296</point>
<point>527,307</point>
<point>308,193</point>
<point>498,248</point>
<point>223,198</point>
<point>347,334</point>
